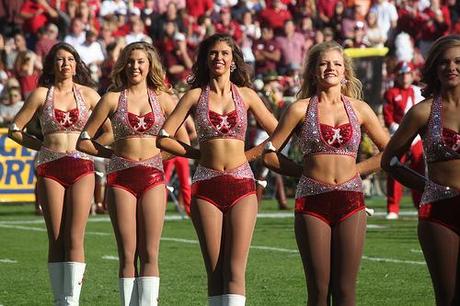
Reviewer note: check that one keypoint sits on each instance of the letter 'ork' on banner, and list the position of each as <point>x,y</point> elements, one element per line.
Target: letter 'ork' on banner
<point>17,178</point>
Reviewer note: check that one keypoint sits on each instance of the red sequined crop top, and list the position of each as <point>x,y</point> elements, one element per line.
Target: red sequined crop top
<point>319,138</point>
<point>126,124</point>
<point>439,144</point>
<point>210,124</point>
<point>54,120</point>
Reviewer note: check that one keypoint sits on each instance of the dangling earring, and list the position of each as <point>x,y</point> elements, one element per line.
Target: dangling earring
<point>232,67</point>
<point>344,82</point>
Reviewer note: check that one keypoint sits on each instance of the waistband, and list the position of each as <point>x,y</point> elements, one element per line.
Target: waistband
<point>308,186</point>
<point>203,173</point>
<point>118,163</point>
<point>434,192</point>
<point>46,155</point>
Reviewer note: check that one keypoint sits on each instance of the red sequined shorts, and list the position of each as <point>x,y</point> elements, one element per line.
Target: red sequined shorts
<point>223,191</point>
<point>331,207</point>
<point>65,170</point>
<point>137,179</point>
<point>445,212</point>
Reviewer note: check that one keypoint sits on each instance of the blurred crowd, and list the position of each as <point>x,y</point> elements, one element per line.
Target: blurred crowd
<point>274,36</point>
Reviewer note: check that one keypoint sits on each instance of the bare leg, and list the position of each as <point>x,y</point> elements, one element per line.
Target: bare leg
<point>239,225</point>
<point>51,196</point>
<point>208,222</point>
<point>122,209</point>
<point>440,246</point>
<point>314,242</point>
<point>78,205</point>
<point>347,249</point>
<point>280,193</point>
<point>150,218</point>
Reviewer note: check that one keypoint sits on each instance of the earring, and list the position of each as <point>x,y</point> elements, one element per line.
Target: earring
<point>232,67</point>
<point>343,82</point>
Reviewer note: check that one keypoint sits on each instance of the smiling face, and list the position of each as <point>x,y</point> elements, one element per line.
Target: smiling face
<point>138,67</point>
<point>65,64</point>
<point>330,69</point>
<point>448,68</point>
<point>220,58</point>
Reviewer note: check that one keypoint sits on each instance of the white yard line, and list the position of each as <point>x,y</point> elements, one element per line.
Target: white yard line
<point>271,215</point>
<point>6,260</point>
<point>12,225</point>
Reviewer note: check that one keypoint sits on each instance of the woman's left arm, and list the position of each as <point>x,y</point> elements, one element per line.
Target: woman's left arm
<point>92,97</point>
<point>168,103</point>
<point>263,116</point>
<point>377,134</point>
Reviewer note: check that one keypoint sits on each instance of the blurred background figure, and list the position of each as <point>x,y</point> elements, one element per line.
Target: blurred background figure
<point>398,101</point>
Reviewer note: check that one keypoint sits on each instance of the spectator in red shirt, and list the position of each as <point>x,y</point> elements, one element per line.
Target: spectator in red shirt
<point>326,9</point>
<point>275,16</point>
<point>266,52</point>
<point>47,40</point>
<point>171,14</point>
<point>198,8</point>
<point>229,26</point>
<point>173,48</point>
<point>435,22</point>
<point>36,14</point>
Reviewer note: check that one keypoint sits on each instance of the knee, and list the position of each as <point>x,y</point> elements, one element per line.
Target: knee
<point>344,293</point>
<point>127,256</point>
<point>318,292</point>
<point>149,255</point>
<point>75,241</point>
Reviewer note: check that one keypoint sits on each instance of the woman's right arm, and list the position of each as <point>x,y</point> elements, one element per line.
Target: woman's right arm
<point>24,116</point>
<point>86,143</point>
<point>166,140</point>
<point>272,157</point>
<point>412,123</point>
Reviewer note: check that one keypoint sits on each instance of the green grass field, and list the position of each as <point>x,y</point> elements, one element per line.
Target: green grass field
<point>393,271</point>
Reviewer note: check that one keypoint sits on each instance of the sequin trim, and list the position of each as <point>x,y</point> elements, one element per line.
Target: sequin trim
<point>433,145</point>
<point>434,192</point>
<point>308,186</point>
<point>120,122</point>
<point>203,173</point>
<point>46,155</point>
<point>118,163</point>
<point>311,141</point>
<point>48,119</point>
<point>206,130</point>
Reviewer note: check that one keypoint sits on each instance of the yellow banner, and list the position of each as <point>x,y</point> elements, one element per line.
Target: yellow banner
<point>17,178</point>
<point>366,52</point>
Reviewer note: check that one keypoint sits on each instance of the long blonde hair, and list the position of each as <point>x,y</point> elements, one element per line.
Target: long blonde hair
<point>155,77</point>
<point>352,87</point>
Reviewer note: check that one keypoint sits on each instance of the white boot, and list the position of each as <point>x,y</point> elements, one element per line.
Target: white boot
<point>233,300</point>
<point>128,292</point>
<point>148,288</point>
<point>56,274</point>
<point>215,300</point>
<point>73,279</point>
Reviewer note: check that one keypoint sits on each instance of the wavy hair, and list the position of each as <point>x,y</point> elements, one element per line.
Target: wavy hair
<point>351,88</point>
<point>155,76</point>
<point>82,74</point>
<point>429,71</point>
<point>200,71</point>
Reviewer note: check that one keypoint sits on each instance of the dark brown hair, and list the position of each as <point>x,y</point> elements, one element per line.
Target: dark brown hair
<point>200,70</point>
<point>82,74</point>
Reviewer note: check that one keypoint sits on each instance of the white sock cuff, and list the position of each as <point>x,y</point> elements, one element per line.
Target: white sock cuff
<point>128,291</point>
<point>233,300</point>
<point>155,280</point>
